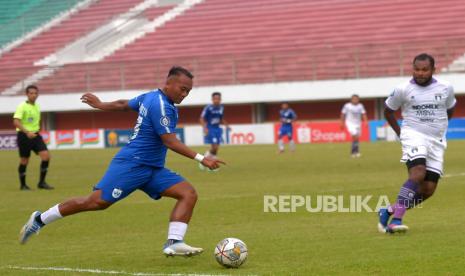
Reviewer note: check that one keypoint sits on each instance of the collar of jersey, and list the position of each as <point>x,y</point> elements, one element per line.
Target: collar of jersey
<point>164,96</point>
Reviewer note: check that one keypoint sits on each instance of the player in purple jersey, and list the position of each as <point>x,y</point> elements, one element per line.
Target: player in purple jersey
<point>140,164</point>
<point>427,104</point>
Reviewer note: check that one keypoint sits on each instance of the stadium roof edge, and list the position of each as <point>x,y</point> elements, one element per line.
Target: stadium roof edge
<point>247,93</point>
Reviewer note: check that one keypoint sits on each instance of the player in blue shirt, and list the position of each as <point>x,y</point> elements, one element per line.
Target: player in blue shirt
<point>212,118</point>
<point>140,164</point>
<point>287,116</point>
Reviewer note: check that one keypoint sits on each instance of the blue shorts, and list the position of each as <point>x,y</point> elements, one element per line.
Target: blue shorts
<point>214,136</point>
<point>123,177</point>
<point>285,130</point>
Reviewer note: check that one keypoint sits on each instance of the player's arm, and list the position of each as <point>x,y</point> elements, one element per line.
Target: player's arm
<point>364,117</point>
<point>294,117</point>
<point>391,119</point>
<point>450,113</point>
<point>450,102</point>
<point>203,121</point>
<point>17,124</point>
<point>171,141</point>
<point>225,123</point>
<point>94,101</point>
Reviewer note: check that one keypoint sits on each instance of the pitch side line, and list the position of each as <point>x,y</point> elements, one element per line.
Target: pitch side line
<point>454,175</point>
<point>99,271</point>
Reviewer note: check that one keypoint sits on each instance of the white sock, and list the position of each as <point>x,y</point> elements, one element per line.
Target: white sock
<point>207,153</point>
<point>292,145</point>
<point>177,230</point>
<point>51,215</point>
<point>281,145</point>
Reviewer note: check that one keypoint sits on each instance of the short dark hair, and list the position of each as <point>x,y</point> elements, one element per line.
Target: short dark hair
<point>216,94</point>
<point>355,95</point>
<point>178,70</point>
<point>31,86</point>
<point>425,56</point>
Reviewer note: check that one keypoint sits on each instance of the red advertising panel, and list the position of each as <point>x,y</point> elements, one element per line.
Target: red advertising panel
<point>64,137</point>
<point>89,136</point>
<point>46,137</point>
<point>322,132</point>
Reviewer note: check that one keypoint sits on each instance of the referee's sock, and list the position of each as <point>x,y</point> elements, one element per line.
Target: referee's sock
<point>22,174</point>
<point>43,171</point>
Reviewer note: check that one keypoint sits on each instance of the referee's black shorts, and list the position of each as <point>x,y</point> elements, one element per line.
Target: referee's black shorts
<point>25,144</point>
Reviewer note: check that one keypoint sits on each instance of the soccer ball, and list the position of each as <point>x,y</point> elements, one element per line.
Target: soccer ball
<point>231,253</point>
<point>203,168</point>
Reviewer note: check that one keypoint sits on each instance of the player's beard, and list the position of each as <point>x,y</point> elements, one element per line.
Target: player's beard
<point>423,81</point>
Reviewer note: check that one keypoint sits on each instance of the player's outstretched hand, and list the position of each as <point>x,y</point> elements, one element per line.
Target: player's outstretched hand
<point>211,163</point>
<point>91,99</point>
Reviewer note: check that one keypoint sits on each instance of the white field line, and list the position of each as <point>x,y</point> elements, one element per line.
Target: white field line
<point>99,271</point>
<point>453,175</point>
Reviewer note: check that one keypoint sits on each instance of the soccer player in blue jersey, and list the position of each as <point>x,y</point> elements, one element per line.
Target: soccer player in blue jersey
<point>140,164</point>
<point>211,119</point>
<point>287,116</point>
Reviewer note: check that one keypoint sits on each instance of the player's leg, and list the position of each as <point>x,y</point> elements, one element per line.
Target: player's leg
<point>166,183</point>
<point>216,140</point>
<point>355,150</point>
<point>40,148</point>
<point>45,161</point>
<point>23,161</point>
<point>120,180</point>
<point>429,185</point>
<point>434,167</point>
<point>214,147</point>
<point>181,214</point>
<point>291,141</point>
<point>409,195</point>
<point>24,148</point>
<point>281,134</point>
<point>69,207</point>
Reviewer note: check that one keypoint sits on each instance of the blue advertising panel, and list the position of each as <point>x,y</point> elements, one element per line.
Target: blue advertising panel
<point>120,137</point>
<point>456,129</point>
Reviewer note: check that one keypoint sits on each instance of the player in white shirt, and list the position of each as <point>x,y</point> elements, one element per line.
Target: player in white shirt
<point>427,104</point>
<point>352,115</point>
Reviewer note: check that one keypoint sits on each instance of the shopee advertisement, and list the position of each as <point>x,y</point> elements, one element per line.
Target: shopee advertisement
<point>321,132</point>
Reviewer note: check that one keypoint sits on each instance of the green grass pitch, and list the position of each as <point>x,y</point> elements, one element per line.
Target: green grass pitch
<point>129,235</point>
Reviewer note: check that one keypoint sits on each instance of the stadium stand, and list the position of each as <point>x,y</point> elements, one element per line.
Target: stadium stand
<point>18,63</point>
<point>19,17</point>
<point>256,41</point>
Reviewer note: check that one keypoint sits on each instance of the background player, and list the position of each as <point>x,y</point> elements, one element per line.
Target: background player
<point>140,164</point>
<point>287,117</point>
<point>27,122</point>
<point>211,119</point>
<point>427,104</point>
<point>352,115</point>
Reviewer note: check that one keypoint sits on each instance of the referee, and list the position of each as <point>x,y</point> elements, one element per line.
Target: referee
<point>27,122</point>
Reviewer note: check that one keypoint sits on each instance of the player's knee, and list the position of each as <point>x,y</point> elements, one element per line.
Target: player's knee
<point>24,161</point>
<point>92,203</point>
<point>190,195</point>
<point>45,156</point>
<point>417,173</point>
<point>428,193</point>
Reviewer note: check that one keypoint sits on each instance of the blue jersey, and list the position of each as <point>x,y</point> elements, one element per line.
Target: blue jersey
<point>157,116</point>
<point>213,115</point>
<point>287,116</point>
